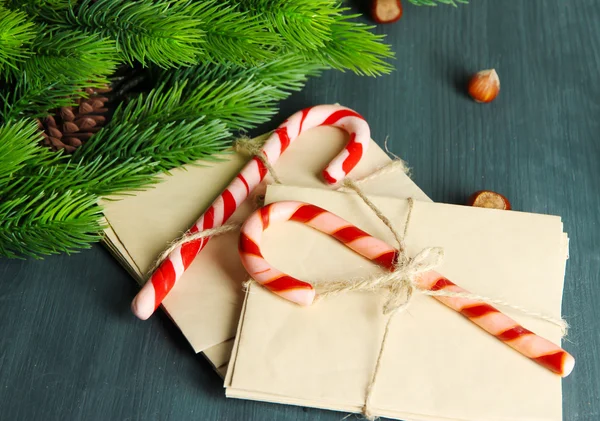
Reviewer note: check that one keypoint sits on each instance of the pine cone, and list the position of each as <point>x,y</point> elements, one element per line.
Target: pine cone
<point>68,128</point>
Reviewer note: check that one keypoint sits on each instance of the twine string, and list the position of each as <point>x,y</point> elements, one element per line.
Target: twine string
<point>188,238</point>
<point>253,147</point>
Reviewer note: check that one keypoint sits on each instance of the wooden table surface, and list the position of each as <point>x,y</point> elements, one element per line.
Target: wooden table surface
<point>71,350</point>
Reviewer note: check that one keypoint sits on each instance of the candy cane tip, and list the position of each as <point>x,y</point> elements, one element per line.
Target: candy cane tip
<point>568,365</point>
<point>142,305</point>
<point>302,297</point>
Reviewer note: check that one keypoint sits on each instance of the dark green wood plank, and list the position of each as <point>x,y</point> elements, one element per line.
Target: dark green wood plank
<point>69,348</point>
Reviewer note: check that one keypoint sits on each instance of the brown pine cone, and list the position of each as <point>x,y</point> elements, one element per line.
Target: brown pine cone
<point>67,128</point>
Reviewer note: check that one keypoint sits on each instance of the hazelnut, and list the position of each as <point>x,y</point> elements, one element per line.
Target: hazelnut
<point>489,199</point>
<point>484,86</point>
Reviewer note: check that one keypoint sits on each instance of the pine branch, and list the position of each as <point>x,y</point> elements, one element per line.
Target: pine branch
<point>33,6</point>
<point>62,64</point>
<point>166,146</point>
<point>435,2</point>
<point>16,33</point>
<point>304,24</point>
<point>233,36</point>
<point>18,148</point>
<point>69,57</point>
<point>26,98</point>
<point>353,46</point>
<point>239,103</point>
<point>152,134</point>
<point>42,210</point>
<point>48,223</point>
<point>319,31</point>
<point>145,30</point>
<point>286,73</point>
<point>100,176</point>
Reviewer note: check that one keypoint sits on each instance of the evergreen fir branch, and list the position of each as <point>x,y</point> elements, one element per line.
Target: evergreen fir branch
<point>304,24</point>
<point>435,2</point>
<point>62,65</point>
<point>164,145</point>
<point>16,33</point>
<point>100,176</point>
<point>321,32</point>
<point>45,223</point>
<point>145,30</point>
<point>18,148</point>
<point>26,98</point>
<point>238,103</point>
<point>233,36</point>
<point>33,6</point>
<point>353,46</point>
<point>70,57</point>
<point>113,176</point>
<point>286,73</point>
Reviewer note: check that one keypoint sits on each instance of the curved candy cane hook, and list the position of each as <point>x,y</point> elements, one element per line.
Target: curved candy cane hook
<point>482,314</point>
<point>170,271</point>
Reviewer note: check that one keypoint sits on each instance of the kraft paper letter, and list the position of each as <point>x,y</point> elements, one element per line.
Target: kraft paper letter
<point>206,302</point>
<point>436,365</point>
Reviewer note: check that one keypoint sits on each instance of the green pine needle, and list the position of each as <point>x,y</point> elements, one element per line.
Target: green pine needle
<point>286,73</point>
<point>304,24</point>
<point>16,33</point>
<point>232,36</point>
<point>63,63</point>
<point>165,145</point>
<point>43,223</point>
<point>353,46</point>
<point>153,133</point>
<point>18,147</point>
<point>29,98</point>
<point>42,208</point>
<point>100,176</point>
<point>240,104</point>
<point>33,6</point>
<point>70,57</point>
<point>145,30</point>
<point>319,31</point>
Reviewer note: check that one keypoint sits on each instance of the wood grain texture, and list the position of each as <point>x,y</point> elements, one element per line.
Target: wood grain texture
<point>70,349</point>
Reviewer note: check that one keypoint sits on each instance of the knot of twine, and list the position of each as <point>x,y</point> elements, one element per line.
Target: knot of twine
<point>398,285</point>
<point>253,147</point>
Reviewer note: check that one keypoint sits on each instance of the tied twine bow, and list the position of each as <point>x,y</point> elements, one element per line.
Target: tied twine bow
<point>398,284</point>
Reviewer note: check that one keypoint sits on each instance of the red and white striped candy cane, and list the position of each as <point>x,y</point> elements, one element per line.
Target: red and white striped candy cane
<point>482,314</point>
<point>169,272</point>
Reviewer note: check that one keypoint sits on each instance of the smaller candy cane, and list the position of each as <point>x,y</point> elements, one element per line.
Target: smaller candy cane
<point>482,314</point>
<point>173,267</point>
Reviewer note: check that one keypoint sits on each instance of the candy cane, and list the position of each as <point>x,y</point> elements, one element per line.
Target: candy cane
<point>171,270</point>
<point>482,314</point>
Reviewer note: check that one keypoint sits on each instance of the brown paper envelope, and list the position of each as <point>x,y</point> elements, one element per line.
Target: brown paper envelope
<point>205,303</point>
<point>436,365</point>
